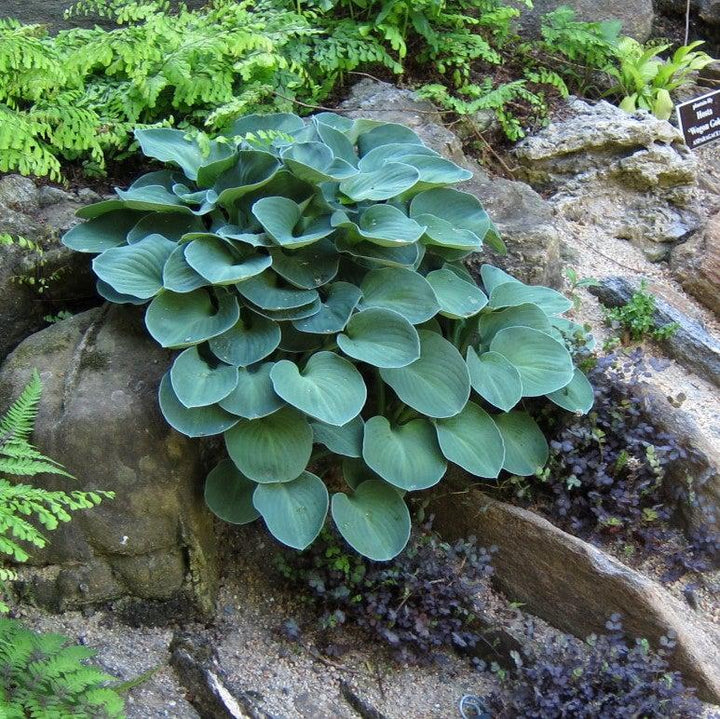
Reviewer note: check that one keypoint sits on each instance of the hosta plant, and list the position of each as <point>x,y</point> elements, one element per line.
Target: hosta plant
<point>310,276</point>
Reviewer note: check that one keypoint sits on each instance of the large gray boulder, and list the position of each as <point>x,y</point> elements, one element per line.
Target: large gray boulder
<point>630,175</point>
<point>99,417</point>
<point>636,17</point>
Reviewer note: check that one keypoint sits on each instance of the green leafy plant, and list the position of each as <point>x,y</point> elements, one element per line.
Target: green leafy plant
<point>45,676</point>
<point>312,276</point>
<point>645,80</point>
<point>36,275</point>
<point>636,319</point>
<point>20,502</point>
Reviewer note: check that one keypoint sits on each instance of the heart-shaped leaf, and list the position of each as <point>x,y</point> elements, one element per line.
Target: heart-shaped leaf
<point>472,441</point>
<point>181,320</point>
<point>108,293</point>
<point>543,363</point>
<point>198,381</point>
<point>458,298</point>
<point>494,276</point>
<point>345,440</point>
<point>229,494</point>
<point>386,133</point>
<point>495,379</point>
<point>437,384</point>
<point>153,198</point>
<point>374,520</point>
<point>407,456</point>
<point>135,269</point>
<point>402,291</point>
<point>195,422</point>
<point>390,181</point>
<point>279,216</point>
<point>308,267</point>
<point>220,263</point>
<point>328,388</point>
<point>511,294</point>
<point>177,274</point>
<point>294,313</point>
<point>254,395</point>
<point>335,311</point>
<point>270,449</point>
<point>249,340</point>
<point>253,171</point>
<point>526,450</point>
<point>267,292</point>
<point>527,315</point>
<point>436,170</point>
<point>576,396</point>
<point>381,338</point>
<point>403,256</point>
<point>282,122</point>
<point>102,233</point>
<point>309,161</point>
<point>295,511</point>
<point>383,225</point>
<point>394,152</point>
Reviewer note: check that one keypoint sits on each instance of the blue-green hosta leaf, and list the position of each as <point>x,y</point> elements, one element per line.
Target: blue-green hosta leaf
<point>442,236</point>
<point>437,384</point>
<point>458,298</point>
<point>108,293</point>
<point>512,294</point>
<point>266,292</point>
<point>460,209</point>
<point>381,338</point>
<point>280,216</point>
<point>436,170</point>
<point>254,395</point>
<point>576,396</point>
<point>544,364</point>
<point>526,315</point>
<point>472,441</point>
<point>337,141</point>
<point>526,450</point>
<point>495,379</point>
<point>308,267</point>
<point>252,171</point>
<point>169,145</point>
<point>295,511</point>
<point>90,212</point>
<point>233,232</point>
<point>294,313</point>
<point>494,276</point>
<point>395,152</point>
<point>355,472</point>
<point>153,198</point>
<point>315,162</point>
<point>328,388</point>
<point>386,133</point>
<point>163,178</point>
<point>345,440</point>
<point>284,122</point>
<point>168,224</point>
<point>402,291</point>
<point>178,276</point>
<point>334,312</point>
<point>270,449</point>
<point>195,422</point>
<point>222,264</point>
<point>384,225</point>
<point>249,340</point>
<point>229,494</point>
<point>374,520</point>
<point>135,269</point>
<point>407,456</point>
<point>403,256</point>
<point>197,382</point>
<point>102,233</point>
<point>390,181</point>
<point>332,119</point>
<point>181,320</point>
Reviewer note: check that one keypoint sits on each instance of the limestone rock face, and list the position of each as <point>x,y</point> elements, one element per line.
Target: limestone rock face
<point>99,417</point>
<point>40,215</point>
<point>696,265</point>
<point>526,222</point>
<point>637,16</point>
<point>631,175</point>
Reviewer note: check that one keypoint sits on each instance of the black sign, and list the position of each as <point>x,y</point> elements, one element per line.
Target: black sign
<point>699,119</point>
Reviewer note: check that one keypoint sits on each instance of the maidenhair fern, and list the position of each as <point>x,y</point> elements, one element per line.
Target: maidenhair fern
<point>44,676</point>
<point>21,503</point>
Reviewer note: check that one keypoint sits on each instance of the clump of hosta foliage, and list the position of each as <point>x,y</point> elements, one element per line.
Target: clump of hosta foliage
<point>21,505</point>
<point>45,676</point>
<point>425,600</point>
<point>312,276</point>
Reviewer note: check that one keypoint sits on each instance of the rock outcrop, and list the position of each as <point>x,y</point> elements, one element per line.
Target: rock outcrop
<point>99,417</point>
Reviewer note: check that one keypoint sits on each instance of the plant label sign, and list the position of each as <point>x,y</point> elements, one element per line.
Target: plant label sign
<point>699,119</point>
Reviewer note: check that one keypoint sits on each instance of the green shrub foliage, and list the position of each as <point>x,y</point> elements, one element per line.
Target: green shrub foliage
<point>46,677</point>
<point>312,277</point>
